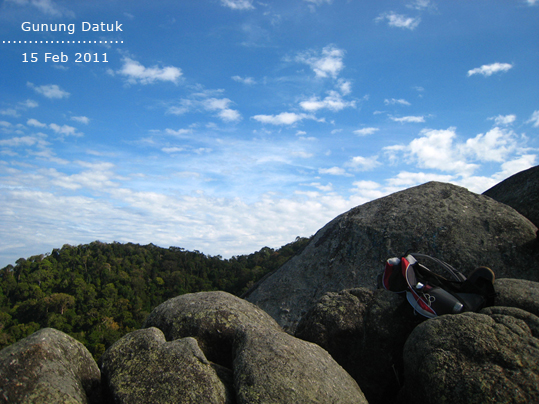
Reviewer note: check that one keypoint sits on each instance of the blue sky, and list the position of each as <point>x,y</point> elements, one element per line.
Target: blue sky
<point>229,125</point>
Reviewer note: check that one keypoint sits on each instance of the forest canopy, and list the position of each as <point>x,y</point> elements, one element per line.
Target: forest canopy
<point>98,292</point>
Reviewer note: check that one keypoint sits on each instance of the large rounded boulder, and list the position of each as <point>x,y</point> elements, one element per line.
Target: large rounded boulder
<point>449,222</point>
<point>212,318</point>
<point>48,367</point>
<point>143,367</point>
<point>365,332</point>
<point>474,358</point>
<point>214,342</point>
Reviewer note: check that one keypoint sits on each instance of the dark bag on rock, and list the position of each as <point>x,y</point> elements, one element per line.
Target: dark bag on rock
<point>431,294</point>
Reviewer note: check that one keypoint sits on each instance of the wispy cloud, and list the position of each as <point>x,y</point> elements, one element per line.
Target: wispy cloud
<point>366,131</point>
<point>489,70</point>
<point>245,80</point>
<point>9,112</point>
<point>24,141</point>
<point>408,119</point>
<point>284,118</point>
<point>238,4</point>
<point>534,119</point>
<point>360,163</point>
<point>47,7</point>
<point>333,171</point>
<point>35,123</point>
<point>65,130</point>
<point>333,101</point>
<point>399,21</point>
<point>222,107</point>
<point>81,119</point>
<point>420,4</point>
<point>52,91</point>
<point>316,3</point>
<point>503,120</point>
<point>137,73</point>
<point>203,101</point>
<point>394,101</point>
<point>29,104</point>
<point>327,63</point>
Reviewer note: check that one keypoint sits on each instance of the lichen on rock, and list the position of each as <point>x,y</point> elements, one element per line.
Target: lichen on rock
<point>473,358</point>
<point>48,367</point>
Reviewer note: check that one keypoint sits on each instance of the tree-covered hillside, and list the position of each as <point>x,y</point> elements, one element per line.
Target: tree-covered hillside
<point>99,292</point>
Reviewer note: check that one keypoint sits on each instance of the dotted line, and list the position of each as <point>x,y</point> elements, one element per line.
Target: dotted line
<point>63,41</point>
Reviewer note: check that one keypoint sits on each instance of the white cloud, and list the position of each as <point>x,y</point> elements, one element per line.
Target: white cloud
<point>65,130</point>
<point>51,91</point>
<point>534,119</point>
<point>35,123</point>
<point>323,188</point>
<point>440,150</point>
<point>238,4</point>
<point>184,107</point>
<point>214,104</point>
<point>532,2</point>
<point>327,64</point>
<point>61,130</point>
<point>408,179</point>
<point>301,154</point>
<point>408,119</point>
<point>345,86</point>
<point>394,101</point>
<point>47,7</point>
<point>399,20</point>
<point>503,120</point>
<point>179,132</point>
<point>333,102</point>
<point>22,141</point>
<point>368,190</point>
<point>81,119</point>
<point>137,73</point>
<point>435,149</point>
<point>29,104</point>
<point>172,149</point>
<point>420,4</point>
<point>319,2</point>
<point>10,112</point>
<point>204,102</point>
<point>489,70</point>
<point>360,163</point>
<point>229,115</point>
<point>284,118</point>
<point>366,131</point>
<point>221,106</point>
<point>495,145</point>
<point>245,80</point>
<point>514,166</point>
<point>333,171</point>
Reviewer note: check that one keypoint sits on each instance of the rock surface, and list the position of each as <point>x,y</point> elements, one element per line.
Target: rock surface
<point>48,367</point>
<point>518,293</point>
<point>212,318</point>
<point>443,220</point>
<point>253,357</point>
<point>274,367</point>
<point>143,368</point>
<point>365,332</point>
<point>521,192</point>
<point>474,358</point>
